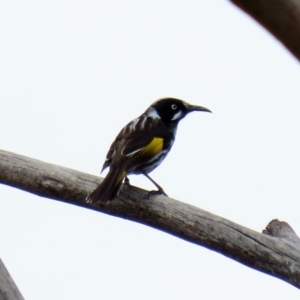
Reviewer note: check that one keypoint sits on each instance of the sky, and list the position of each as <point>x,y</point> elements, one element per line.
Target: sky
<point>73,73</point>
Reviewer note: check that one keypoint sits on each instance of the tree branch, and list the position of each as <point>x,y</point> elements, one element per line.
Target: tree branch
<point>279,17</point>
<point>8,288</point>
<point>276,252</point>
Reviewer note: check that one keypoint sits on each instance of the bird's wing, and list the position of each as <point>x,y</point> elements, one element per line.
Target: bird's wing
<point>142,143</point>
<point>133,143</point>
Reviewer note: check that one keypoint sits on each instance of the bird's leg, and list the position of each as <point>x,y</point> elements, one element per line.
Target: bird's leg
<point>126,182</point>
<point>160,190</point>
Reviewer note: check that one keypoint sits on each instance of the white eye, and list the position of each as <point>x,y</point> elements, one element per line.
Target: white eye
<point>174,106</point>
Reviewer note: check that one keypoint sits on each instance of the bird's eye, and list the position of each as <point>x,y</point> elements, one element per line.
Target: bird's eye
<point>173,106</point>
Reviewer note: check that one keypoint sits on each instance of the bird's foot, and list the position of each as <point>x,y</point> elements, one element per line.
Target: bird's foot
<point>126,183</point>
<point>153,193</point>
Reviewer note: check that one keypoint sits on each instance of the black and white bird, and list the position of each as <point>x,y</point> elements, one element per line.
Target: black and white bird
<point>141,146</point>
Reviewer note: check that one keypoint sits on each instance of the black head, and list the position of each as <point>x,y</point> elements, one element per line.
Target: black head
<point>173,110</point>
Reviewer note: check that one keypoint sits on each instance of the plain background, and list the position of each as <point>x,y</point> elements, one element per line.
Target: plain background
<point>72,74</point>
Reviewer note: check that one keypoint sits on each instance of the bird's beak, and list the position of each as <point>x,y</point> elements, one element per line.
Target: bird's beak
<point>191,108</point>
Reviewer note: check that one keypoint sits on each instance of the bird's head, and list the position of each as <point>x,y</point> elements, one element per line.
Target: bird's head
<point>173,110</point>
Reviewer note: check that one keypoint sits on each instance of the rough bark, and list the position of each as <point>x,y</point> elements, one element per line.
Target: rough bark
<point>279,17</point>
<point>8,288</point>
<point>276,251</point>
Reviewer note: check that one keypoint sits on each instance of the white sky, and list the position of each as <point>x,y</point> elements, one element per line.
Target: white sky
<point>72,74</point>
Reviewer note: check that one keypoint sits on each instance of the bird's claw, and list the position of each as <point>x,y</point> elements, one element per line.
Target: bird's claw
<point>153,193</point>
<point>126,183</point>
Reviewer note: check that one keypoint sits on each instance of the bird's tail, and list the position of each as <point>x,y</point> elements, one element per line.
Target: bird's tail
<point>109,188</point>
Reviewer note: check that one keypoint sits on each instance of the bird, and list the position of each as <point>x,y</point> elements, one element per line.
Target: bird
<point>141,146</point>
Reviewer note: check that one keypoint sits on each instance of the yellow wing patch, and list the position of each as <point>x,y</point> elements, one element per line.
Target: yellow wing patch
<point>154,147</point>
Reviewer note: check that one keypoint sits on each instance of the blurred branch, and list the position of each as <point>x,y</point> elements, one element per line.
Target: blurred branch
<point>279,17</point>
<point>8,289</point>
<point>275,252</point>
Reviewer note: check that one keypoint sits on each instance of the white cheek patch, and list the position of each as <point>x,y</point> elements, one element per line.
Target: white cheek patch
<point>177,116</point>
